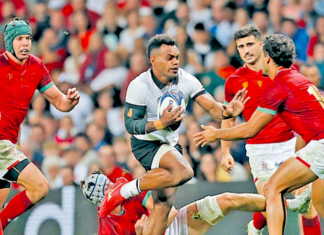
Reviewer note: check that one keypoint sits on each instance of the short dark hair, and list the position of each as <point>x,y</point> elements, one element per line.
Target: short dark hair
<point>84,136</point>
<point>283,20</point>
<point>280,48</point>
<point>157,41</point>
<point>248,30</point>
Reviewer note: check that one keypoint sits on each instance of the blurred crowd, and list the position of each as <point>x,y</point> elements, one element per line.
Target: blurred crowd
<point>98,46</point>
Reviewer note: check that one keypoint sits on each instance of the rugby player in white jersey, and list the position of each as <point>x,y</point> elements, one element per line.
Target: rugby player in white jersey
<point>156,148</point>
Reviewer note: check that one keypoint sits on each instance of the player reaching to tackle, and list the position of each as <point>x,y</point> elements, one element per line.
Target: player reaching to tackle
<point>300,105</point>
<point>156,148</point>
<point>22,74</point>
<point>275,143</point>
<point>193,219</point>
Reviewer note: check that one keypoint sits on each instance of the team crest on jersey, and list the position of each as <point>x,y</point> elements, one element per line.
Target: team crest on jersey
<point>10,76</point>
<point>264,165</point>
<point>245,84</point>
<point>260,83</point>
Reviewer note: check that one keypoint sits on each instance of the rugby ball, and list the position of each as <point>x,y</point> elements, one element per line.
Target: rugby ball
<point>174,98</point>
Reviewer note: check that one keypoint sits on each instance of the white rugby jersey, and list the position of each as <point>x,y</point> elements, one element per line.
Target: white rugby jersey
<point>145,90</point>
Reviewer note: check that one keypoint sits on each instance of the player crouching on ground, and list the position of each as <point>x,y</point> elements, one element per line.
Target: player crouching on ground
<point>194,219</point>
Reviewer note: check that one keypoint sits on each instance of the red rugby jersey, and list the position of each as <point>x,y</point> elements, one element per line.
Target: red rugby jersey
<point>124,223</point>
<point>276,131</point>
<point>298,102</point>
<point>17,87</point>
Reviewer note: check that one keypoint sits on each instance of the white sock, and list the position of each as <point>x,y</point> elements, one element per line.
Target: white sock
<point>130,189</point>
<point>255,230</point>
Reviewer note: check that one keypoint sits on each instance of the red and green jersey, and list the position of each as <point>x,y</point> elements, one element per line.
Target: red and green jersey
<point>17,87</point>
<point>133,209</point>
<point>298,102</point>
<point>256,84</point>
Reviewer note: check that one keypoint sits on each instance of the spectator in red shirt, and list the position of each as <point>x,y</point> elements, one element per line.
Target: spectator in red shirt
<point>76,6</point>
<point>317,37</point>
<point>94,62</point>
<point>82,28</point>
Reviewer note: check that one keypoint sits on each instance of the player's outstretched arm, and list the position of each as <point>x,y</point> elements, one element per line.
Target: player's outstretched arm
<point>64,103</point>
<point>243,131</point>
<point>227,161</point>
<point>220,111</point>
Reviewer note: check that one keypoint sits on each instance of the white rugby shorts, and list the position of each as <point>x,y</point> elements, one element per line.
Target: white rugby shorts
<point>312,155</point>
<point>265,159</point>
<point>10,156</point>
<point>179,226</point>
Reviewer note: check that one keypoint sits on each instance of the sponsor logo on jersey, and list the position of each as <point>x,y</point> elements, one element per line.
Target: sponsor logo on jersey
<point>245,84</point>
<point>260,83</point>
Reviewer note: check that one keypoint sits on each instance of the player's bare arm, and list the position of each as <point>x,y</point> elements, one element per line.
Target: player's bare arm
<point>139,225</point>
<point>243,131</point>
<point>64,103</point>
<point>218,110</point>
<point>150,206</point>
<point>227,162</point>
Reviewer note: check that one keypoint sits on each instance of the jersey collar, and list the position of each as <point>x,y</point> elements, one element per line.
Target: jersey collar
<point>282,69</point>
<point>14,64</point>
<point>159,84</point>
<point>252,71</point>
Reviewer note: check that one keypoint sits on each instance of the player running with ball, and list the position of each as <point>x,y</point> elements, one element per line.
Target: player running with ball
<point>156,148</point>
<point>21,75</point>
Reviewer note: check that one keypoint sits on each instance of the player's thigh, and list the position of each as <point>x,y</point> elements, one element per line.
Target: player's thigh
<point>4,191</point>
<point>32,179</point>
<point>11,158</point>
<point>173,160</point>
<point>318,196</point>
<point>196,226</point>
<point>292,174</point>
<point>260,187</point>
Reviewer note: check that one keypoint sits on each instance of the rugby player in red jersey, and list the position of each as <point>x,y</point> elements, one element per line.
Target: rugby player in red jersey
<point>195,219</point>
<point>275,143</point>
<point>301,106</point>
<point>21,75</point>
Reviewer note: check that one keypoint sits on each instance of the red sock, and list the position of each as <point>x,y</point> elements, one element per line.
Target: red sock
<point>312,226</point>
<point>16,206</point>
<point>1,231</point>
<point>259,221</point>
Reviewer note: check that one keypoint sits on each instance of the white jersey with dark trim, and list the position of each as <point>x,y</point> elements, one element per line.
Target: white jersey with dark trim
<point>146,92</point>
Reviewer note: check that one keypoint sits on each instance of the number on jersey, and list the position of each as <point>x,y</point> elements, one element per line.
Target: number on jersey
<point>315,92</point>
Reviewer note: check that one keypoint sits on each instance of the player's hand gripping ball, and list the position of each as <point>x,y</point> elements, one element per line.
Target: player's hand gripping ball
<point>174,98</point>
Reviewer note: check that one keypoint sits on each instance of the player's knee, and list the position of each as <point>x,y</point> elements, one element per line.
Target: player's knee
<point>209,210</point>
<point>270,189</point>
<point>185,175</point>
<point>42,189</point>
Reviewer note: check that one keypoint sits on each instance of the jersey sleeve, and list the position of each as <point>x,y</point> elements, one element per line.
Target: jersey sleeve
<point>145,195</point>
<point>136,94</point>
<point>229,90</point>
<point>195,87</point>
<point>272,99</point>
<point>46,81</point>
